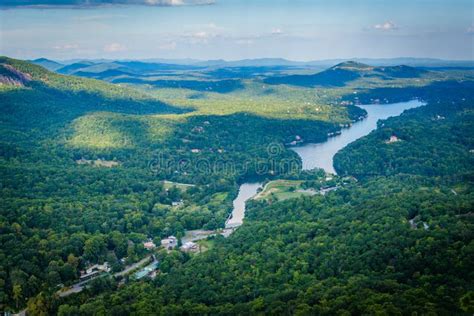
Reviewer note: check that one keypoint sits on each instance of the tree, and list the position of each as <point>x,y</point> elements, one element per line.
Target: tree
<point>467,302</point>
<point>94,248</point>
<point>67,310</point>
<point>39,305</point>
<point>17,294</point>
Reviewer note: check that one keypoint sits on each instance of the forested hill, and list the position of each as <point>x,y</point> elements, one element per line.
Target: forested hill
<point>434,141</point>
<point>25,81</point>
<point>82,183</point>
<point>397,242</point>
<point>346,72</point>
<point>81,179</point>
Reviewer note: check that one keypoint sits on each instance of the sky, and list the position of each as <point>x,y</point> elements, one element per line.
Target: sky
<point>236,29</point>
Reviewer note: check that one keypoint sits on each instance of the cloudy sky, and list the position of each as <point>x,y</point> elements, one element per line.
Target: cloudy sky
<point>237,29</point>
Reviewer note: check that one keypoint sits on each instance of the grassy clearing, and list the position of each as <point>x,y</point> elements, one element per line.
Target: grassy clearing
<point>206,244</point>
<point>182,186</point>
<point>282,190</point>
<point>261,99</point>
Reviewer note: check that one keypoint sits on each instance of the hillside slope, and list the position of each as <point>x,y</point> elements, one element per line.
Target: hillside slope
<point>346,72</point>
<point>57,95</point>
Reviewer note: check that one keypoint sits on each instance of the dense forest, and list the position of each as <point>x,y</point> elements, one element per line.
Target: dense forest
<point>397,241</point>
<point>67,215</point>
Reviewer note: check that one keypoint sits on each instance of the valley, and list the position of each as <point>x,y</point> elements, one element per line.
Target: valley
<point>98,170</point>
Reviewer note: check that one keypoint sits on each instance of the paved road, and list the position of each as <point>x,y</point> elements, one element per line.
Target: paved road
<point>78,287</point>
<point>132,267</point>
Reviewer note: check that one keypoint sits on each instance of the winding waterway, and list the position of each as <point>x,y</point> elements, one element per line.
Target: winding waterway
<point>321,155</point>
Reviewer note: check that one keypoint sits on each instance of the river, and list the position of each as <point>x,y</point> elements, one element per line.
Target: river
<point>321,155</point>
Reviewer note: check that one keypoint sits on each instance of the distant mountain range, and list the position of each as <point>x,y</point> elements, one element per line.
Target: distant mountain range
<point>342,73</point>
<point>259,62</point>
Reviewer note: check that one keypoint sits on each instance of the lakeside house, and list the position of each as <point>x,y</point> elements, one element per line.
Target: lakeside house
<point>393,139</point>
<point>169,243</point>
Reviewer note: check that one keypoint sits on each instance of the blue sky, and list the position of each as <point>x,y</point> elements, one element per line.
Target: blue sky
<point>232,29</point>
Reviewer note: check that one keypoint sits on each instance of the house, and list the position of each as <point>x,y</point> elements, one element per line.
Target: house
<point>198,129</point>
<point>177,203</point>
<point>94,271</point>
<point>393,139</point>
<point>149,245</point>
<point>99,267</point>
<point>190,247</point>
<point>169,243</point>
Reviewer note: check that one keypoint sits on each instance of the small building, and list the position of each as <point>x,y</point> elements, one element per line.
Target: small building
<point>393,139</point>
<point>198,129</point>
<point>149,245</point>
<point>190,247</point>
<point>94,271</point>
<point>98,267</point>
<point>169,243</point>
<point>177,203</point>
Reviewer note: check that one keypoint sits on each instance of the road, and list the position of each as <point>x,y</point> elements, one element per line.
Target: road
<point>78,287</point>
<point>132,267</point>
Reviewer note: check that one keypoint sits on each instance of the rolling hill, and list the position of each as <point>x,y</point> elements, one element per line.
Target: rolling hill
<point>59,99</point>
<point>345,72</point>
<point>47,63</point>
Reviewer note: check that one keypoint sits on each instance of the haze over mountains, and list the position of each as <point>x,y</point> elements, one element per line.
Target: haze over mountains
<point>262,62</point>
<point>226,76</point>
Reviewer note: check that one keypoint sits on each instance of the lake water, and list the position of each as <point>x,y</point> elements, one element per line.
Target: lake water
<point>320,155</point>
<point>246,191</point>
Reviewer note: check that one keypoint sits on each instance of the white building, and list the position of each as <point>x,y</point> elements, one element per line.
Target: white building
<point>190,247</point>
<point>149,245</point>
<point>170,242</point>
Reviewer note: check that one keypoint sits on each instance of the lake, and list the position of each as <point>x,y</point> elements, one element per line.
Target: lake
<point>321,155</point>
<point>246,191</point>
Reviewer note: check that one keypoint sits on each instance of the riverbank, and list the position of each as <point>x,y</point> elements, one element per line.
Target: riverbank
<point>313,155</point>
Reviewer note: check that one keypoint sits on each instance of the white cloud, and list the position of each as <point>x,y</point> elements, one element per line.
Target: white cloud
<point>244,42</point>
<point>277,31</point>
<point>386,26</point>
<point>114,47</point>
<point>44,4</point>
<point>167,46</point>
<point>470,30</point>
<point>99,17</point>
<point>66,46</point>
<point>202,36</point>
<point>177,2</point>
